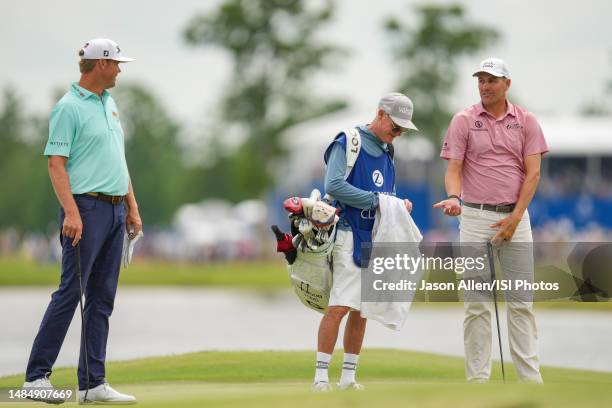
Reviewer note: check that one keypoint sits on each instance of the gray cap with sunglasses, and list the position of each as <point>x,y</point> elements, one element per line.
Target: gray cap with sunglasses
<point>399,107</point>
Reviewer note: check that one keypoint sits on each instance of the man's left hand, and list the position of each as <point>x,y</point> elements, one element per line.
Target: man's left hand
<point>506,226</point>
<point>133,223</point>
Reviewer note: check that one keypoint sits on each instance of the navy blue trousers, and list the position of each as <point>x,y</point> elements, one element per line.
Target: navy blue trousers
<point>100,249</point>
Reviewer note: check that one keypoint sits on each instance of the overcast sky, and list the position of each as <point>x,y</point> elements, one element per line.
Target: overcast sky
<point>559,52</point>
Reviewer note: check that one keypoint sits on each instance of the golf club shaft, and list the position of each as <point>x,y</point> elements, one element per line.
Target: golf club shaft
<point>492,267</point>
<point>83,334</point>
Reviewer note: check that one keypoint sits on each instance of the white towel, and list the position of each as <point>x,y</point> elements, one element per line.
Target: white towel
<point>394,224</point>
<point>128,248</point>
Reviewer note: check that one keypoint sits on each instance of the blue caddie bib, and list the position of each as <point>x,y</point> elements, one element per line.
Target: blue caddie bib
<point>376,174</point>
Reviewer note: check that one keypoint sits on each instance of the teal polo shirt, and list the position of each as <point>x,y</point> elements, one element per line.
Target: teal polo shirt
<point>86,129</point>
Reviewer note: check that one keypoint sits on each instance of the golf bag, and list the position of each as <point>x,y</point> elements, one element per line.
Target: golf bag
<point>311,275</point>
<point>308,248</point>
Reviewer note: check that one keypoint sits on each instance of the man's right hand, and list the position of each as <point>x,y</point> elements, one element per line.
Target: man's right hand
<point>73,226</point>
<point>450,206</point>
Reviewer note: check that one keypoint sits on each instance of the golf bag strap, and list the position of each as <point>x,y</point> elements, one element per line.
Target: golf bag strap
<point>353,146</point>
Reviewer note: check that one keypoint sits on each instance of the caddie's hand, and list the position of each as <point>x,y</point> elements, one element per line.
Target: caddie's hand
<point>408,204</point>
<point>450,206</point>
<point>506,226</point>
<point>133,223</point>
<point>73,226</point>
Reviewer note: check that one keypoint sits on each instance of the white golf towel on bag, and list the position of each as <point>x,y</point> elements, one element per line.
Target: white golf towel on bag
<point>393,223</point>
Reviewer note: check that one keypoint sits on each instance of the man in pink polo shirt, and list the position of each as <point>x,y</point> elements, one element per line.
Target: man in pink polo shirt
<point>494,150</point>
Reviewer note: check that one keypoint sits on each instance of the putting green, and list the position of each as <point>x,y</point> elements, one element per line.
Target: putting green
<point>281,379</point>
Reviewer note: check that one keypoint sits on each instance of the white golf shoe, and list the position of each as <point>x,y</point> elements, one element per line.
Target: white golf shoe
<point>320,386</point>
<point>350,387</point>
<point>105,394</point>
<point>41,384</point>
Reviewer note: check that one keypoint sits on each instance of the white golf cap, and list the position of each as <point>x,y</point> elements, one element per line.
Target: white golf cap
<point>399,107</point>
<point>493,66</point>
<point>103,48</point>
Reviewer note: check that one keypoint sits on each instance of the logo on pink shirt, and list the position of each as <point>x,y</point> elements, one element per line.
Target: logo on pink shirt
<point>514,126</point>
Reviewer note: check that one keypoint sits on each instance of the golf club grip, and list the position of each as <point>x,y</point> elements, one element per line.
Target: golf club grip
<point>277,233</point>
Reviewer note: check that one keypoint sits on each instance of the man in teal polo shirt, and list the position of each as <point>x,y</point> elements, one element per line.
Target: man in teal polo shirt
<point>88,170</point>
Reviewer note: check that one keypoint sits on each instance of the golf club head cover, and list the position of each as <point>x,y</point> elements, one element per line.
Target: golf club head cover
<point>323,214</point>
<point>293,205</point>
<point>315,195</point>
<point>307,205</point>
<point>283,240</point>
<point>284,244</point>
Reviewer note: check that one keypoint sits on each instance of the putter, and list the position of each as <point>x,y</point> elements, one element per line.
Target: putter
<point>492,267</point>
<point>83,335</point>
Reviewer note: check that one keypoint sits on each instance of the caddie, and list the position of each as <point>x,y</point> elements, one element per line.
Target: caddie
<point>88,170</point>
<point>494,151</point>
<point>373,173</point>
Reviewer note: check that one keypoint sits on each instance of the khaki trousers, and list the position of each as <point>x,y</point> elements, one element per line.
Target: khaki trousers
<point>516,264</point>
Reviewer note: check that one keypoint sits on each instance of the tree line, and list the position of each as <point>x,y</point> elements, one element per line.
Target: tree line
<point>276,51</point>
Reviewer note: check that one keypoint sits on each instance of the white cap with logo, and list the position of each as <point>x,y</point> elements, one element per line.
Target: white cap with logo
<point>399,107</point>
<point>103,48</point>
<point>493,66</point>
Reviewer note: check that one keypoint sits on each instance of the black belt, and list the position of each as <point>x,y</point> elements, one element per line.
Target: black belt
<point>107,198</point>
<point>502,208</point>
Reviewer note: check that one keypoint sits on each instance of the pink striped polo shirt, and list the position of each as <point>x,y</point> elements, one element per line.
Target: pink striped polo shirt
<point>493,151</point>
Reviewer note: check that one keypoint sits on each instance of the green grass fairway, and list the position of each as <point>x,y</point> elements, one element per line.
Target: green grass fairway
<point>282,379</point>
<point>257,274</point>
